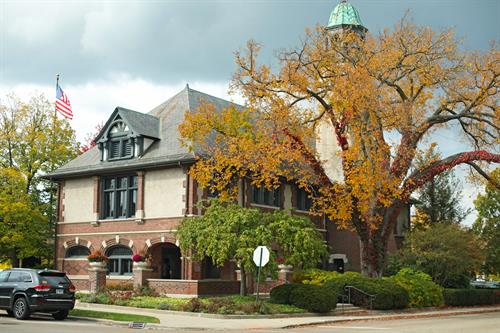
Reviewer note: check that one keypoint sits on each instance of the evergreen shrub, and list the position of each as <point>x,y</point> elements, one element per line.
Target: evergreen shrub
<point>281,293</point>
<point>469,297</point>
<point>313,298</point>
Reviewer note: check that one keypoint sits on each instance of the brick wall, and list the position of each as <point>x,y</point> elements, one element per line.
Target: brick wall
<point>194,287</point>
<point>81,283</point>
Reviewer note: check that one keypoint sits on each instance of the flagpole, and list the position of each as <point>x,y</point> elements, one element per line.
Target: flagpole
<point>52,183</point>
<point>57,86</point>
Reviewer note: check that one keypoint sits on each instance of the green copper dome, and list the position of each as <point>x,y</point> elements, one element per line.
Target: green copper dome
<point>344,14</point>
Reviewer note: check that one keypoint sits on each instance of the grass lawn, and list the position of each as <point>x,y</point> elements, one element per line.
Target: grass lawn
<point>114,316</point>
<point>219,305</point>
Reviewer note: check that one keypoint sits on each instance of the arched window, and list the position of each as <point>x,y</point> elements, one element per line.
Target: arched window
<point>78,251</point>
<point>120,145</point>
<point>120,260</point>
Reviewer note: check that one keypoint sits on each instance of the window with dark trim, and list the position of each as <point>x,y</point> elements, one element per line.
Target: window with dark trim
<point>263,196</point>
<point>77,252</point>
<point>120,260</point>
<point>304,202</point>
<point>120,145</point>
<point>119,196</point>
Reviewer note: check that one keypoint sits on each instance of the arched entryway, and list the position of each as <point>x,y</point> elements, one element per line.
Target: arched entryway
<point>166,260</point>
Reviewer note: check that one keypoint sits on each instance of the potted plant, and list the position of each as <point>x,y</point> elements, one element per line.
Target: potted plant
<point>97,259</point>
<point>282,266</point>
<point>141,261</point>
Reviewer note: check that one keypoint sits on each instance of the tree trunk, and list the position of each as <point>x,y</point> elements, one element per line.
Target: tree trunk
<point>373,257</point>
<point>243,281</point>
<point>14,260</point>
<point>373,243</point>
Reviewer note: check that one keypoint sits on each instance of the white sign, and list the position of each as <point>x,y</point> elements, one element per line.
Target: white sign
<point>261,256</point>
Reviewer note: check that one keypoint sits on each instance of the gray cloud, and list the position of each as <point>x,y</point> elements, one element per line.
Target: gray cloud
<point>171,41</point>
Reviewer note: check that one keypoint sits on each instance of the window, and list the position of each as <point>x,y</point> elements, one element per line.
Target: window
<point>119,197</point>
<point>120,145</point>
<point>120,260</point>
<point>304,202</point>
<point>263,196</point>
<point>77,252</point>
<point>19,277</point>
<point>3,276</point>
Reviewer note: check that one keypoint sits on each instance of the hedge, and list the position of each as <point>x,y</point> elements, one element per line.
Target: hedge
<point>313,298</point>
<point>306,296</point>
<point>281,293</point>
<point>388,294</point>
<point>468,297</point>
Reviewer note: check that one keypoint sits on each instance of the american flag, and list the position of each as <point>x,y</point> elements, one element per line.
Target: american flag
<point>62,103</point>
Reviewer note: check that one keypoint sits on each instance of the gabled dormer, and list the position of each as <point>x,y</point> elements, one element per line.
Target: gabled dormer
<point>127,134</point>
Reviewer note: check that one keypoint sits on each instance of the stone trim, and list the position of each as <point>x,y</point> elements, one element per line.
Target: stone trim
<point>118,233</point>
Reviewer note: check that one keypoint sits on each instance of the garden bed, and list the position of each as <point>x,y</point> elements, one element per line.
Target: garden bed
<point>238,305</point>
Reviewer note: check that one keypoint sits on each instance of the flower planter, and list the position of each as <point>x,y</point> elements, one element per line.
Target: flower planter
<point>285,268</point>
<point>141,265</point>
<point>97,264</point>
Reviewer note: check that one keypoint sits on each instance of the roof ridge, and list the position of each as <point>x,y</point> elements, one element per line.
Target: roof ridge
<point>212,96</point>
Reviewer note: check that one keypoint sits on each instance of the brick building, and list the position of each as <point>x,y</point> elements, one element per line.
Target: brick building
<point>128,194</point>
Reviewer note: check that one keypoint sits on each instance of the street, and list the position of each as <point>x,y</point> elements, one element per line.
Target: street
<point>484,323</point>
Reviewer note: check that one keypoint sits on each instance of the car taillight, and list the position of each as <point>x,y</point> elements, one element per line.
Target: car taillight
<point>71,288</point>
<point>41,288</point>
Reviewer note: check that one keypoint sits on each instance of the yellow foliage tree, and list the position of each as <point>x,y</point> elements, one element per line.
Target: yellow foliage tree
<point>404,84</point>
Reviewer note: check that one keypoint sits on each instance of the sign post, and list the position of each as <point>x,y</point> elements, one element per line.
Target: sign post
<point>260,258</point>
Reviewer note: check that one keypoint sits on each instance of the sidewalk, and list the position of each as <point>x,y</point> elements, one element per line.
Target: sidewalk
<point>197,321</point>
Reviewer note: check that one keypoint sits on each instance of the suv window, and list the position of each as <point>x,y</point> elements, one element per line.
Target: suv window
<point>14,277</point>
<point>54,278</point>
<point>25,277</point>
<point>3,276</point>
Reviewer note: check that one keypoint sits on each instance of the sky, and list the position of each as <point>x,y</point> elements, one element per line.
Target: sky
<point>137,54</point>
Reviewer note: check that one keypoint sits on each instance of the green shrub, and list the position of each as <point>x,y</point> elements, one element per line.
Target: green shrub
<point>314,276</point>
<point>469,297</point>
<point>421,290</point>
<point>388,294</point>
<point>313,298</point>
<point>281,293</point>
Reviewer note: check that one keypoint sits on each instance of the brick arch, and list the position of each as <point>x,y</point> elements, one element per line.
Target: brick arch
<point>78,242</point>
<point>169,238</point>
<point>118,241</point>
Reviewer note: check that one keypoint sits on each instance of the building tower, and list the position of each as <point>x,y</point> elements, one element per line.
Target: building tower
<point>344,17</point>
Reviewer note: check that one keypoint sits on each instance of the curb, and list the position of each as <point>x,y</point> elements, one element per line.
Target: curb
<point>409,315</point>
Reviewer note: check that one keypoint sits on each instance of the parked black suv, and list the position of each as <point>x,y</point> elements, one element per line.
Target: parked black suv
<point>23,291</point>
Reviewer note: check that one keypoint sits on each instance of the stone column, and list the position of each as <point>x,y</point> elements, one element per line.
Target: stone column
<point>139,209</point>
<point>142,272</point>
<point>97,276</point>
<point>285,273</point>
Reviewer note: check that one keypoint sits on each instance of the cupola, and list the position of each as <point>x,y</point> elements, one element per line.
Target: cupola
<point>345,17</point>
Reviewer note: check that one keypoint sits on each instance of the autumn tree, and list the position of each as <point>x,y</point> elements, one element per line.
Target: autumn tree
<point>229,232</point>
<point>33,142</point>
<point>89,140</point>
<point>439,199</point>
<point>378,96</point>
<point>487,224</point>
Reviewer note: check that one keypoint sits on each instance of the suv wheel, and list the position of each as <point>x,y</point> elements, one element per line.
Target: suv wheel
<point>10,313</point>
<point>21,309</point>
<point>60,315</point>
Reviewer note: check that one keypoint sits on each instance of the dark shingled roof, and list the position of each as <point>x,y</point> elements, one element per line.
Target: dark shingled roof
<point>165,151</point>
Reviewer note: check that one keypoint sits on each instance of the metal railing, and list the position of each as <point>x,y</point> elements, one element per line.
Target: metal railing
<point>353,290</point>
